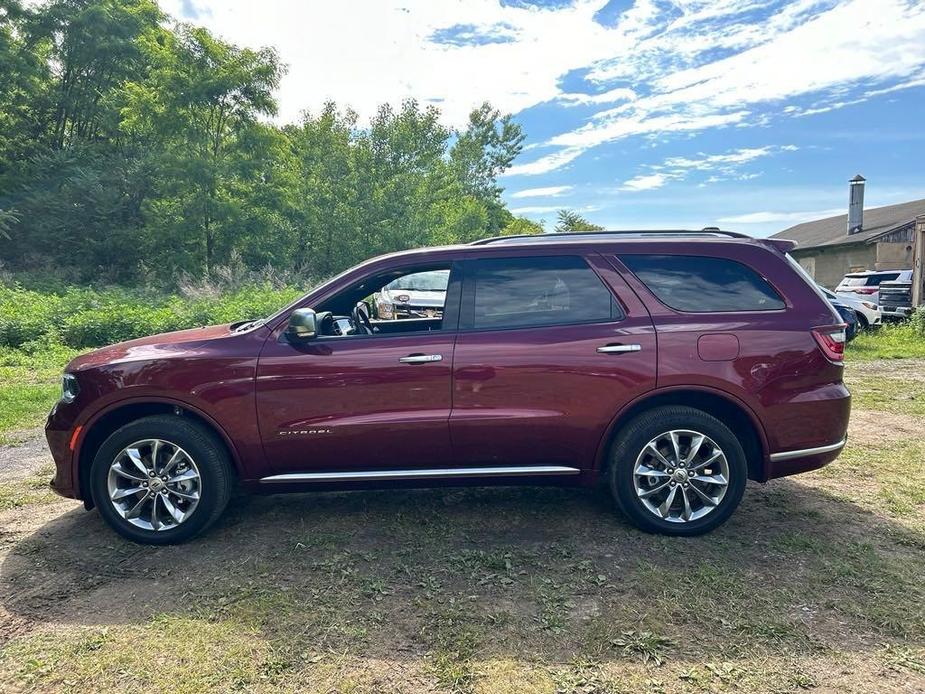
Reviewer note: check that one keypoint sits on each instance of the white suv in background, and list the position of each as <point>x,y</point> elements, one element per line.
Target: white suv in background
<point>866,284</point>
<point>869,315</point>
<point>418,295</point>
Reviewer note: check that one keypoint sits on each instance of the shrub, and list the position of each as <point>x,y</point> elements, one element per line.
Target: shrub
<point>84,318</point>
<point>917,321</point>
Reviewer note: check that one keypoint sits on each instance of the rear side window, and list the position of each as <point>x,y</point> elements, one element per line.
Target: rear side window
<point>537,291</point>
<point>703,284</point>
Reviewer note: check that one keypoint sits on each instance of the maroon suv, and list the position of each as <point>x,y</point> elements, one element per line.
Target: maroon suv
<point>672,365</point>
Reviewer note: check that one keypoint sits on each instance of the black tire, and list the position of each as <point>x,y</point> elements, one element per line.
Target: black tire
<point>216,478</point>
<point>863,325</point>
<point>635,436</point>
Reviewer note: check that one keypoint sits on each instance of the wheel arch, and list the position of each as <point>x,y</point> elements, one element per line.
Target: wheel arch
<point>105,422</point>
<point>725,407</point>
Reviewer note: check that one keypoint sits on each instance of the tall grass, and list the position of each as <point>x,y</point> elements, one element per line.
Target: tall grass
<point>41,330</point>
<point>82,318</point>
<point>892,341</point>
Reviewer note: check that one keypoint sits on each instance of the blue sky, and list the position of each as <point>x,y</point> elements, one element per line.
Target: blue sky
<point>747,114</point>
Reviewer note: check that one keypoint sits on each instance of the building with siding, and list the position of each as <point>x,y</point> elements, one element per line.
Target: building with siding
<point>881,238</point>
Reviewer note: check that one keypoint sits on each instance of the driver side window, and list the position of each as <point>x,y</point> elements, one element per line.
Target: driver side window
<point>404,300</point>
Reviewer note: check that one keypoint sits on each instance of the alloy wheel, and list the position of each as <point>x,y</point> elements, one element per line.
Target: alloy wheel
<point>154,484</point>
<point>681,475</point>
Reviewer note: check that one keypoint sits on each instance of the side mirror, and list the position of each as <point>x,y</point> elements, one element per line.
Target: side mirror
<point>303,325</point>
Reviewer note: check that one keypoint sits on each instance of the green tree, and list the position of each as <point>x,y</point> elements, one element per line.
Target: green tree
<point>70,178</point>
<point>25,83</point>
<point>201,103</point>
<point>7,219</point>
<point>398,184</point>
<point>132,147</point>
<point>92,48</point>
<point>481,153</point>
<point>569,220</point>
<point>520,226</point>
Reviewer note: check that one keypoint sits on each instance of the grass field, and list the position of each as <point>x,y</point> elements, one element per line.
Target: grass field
<point>891,341</point>
<point>815,583</point>
<point>30,382</point>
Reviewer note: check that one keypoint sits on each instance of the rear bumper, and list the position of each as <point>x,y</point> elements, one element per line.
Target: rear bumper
<point>787,463</point>
<point>808,430</point>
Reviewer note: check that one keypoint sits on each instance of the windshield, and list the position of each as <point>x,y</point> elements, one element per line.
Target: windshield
<point>868,280</point>
<point>432,281</point>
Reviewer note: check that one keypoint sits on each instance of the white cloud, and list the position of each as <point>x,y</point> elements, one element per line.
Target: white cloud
<point>547,192</point>
<point>727,159</point>
<point>649,182</point>
<point>535,209</point>
<point>726,165</point>
<point>609,97</point>
<point>547,163</point>
<point>659,68</point>
<point>363,53</point>
<point>790,217</point>
<point>639,123</point>
<point>795,54</point>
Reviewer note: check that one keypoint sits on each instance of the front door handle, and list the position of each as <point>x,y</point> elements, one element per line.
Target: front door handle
<point>420,358</point>
<point>619,349</point>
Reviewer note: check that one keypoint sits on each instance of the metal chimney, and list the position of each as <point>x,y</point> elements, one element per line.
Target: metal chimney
<point>856,204</point>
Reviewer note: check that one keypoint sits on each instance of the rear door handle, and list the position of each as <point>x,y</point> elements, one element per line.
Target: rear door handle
<point>619,349</point>
<point>420,358</point>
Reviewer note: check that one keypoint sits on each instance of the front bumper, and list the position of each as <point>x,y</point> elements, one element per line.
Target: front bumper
<point>58,433</point>
<point>896,311</point>
<point>407,311</point>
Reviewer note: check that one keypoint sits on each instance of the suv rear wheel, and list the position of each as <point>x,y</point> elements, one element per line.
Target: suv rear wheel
<point>161,480</point>
<point>677,471</point>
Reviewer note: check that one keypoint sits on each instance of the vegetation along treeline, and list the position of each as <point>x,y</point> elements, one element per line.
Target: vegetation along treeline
<point>134,148</point>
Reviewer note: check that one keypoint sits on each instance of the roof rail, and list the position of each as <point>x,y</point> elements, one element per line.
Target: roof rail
<point>612,235</point>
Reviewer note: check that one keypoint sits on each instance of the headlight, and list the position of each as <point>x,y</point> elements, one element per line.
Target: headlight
<point>872,307</point>
<point>69,388</point>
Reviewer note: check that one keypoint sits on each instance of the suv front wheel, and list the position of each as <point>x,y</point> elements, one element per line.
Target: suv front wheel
<point>161,479</point>
<point>677,470</point>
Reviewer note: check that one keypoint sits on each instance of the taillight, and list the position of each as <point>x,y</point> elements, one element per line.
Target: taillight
<point>866,290</point>
<point>831,341</point>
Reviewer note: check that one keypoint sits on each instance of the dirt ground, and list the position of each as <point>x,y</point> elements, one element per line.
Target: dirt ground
<point>25,458</point>
<point>815,584</point>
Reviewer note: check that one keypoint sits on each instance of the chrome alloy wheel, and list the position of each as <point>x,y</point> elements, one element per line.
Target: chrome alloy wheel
<point>154,484</point>
<point>681,475</point>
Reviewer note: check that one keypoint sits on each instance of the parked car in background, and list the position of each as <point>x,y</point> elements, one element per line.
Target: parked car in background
<point>896,296</point>
<point>671,367</point>
<point>868,313</point>
<point>866,283</point>
<point>849,315</point>
<point>419,295</point>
